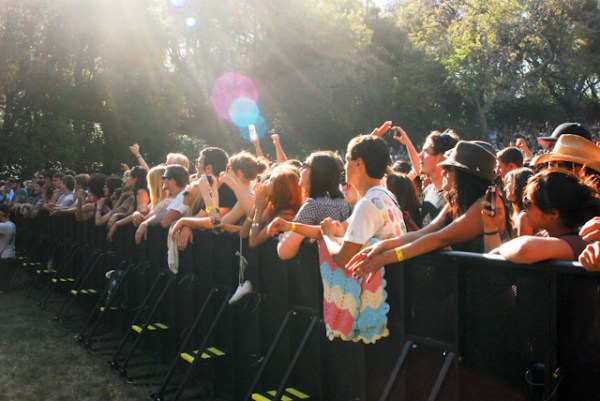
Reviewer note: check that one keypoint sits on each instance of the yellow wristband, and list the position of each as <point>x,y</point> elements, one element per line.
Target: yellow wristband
<point>209,209</point>
<point>399,254</point>
<point>293,227</point>
<point>250,219</point>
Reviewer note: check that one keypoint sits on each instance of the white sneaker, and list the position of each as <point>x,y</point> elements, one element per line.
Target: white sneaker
<point>243,289</point>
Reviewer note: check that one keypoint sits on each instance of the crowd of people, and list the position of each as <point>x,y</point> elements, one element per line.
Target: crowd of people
<point>365,211</point>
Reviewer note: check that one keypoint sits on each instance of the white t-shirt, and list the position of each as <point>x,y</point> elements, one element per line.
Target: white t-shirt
<point>7,240</point>
<point>376,215</point>
<point>178,206</point>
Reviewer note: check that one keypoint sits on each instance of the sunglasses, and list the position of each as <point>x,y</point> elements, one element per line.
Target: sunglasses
<point>166,177</point>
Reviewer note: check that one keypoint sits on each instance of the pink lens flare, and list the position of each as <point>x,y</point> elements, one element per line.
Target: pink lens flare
<point>228,88</point>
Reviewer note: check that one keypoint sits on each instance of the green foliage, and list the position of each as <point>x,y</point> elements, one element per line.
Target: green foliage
<point>80,81</point>
<point>497,50</point>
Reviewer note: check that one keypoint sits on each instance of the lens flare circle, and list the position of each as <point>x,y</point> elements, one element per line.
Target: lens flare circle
<point>243,112</point>
<point>178,3</point>
<point>190,21</point>
<point>227,89</point>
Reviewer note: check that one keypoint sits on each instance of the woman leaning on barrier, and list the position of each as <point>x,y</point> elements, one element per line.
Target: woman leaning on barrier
<point>320,177</point>
<point>279,196</point>
<point>558,203</point>
<point>468,171</point>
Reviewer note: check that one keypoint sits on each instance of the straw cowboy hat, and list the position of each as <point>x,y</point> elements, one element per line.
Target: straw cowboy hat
<point>574,149</point>
<point>473,159</point>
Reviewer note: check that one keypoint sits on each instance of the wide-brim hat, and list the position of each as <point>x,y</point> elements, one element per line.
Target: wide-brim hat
<point>567,128</point>
<point>473,159</point>
<point>574,149</point>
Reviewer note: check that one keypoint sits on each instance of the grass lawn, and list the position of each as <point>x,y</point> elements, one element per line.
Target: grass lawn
<point>39,360</point>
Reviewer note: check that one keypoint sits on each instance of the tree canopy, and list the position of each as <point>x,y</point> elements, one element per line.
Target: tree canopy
<point>80,81</point>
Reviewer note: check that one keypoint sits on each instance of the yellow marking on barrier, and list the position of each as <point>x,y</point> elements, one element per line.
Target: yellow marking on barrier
<point>283,396</point>
<point>216,351</point>
<point>187,357</point>
<point>55,280</point>
<point>297,393</point>
<point>84,291</point>
<point>74,292</point>
<point>259,397</point>
<point>151,327</point>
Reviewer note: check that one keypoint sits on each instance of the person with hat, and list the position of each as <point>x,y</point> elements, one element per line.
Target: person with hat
<point>468,171</point>
<point>577,129</point>
<point>574,153</point>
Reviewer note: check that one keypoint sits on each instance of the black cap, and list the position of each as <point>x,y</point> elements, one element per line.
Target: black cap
<point>568,128</point>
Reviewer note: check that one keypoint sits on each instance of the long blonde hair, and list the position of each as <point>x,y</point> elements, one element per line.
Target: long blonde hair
<point>155,187</point>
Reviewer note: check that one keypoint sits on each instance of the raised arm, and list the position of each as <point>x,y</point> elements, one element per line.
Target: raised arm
<point>255,140</point>
<point>522,144</point>
<point>281,156</point>
<point>401,136</point>
<point>135,149</point>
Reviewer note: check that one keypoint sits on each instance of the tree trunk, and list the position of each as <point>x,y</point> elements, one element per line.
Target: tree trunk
<point>481,114</point>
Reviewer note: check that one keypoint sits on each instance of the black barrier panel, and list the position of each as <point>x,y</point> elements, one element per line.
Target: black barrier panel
<point>462,326</point>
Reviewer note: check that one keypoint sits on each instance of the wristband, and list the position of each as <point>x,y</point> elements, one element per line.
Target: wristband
<point>209,209</point>
<point>399,254</point>
<point>293,227</point>
<point>491,233</point>
<point>249,219</point>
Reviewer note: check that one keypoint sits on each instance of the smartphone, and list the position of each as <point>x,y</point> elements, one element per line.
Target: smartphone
<point>490,197</point>
<point>252,131</point>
